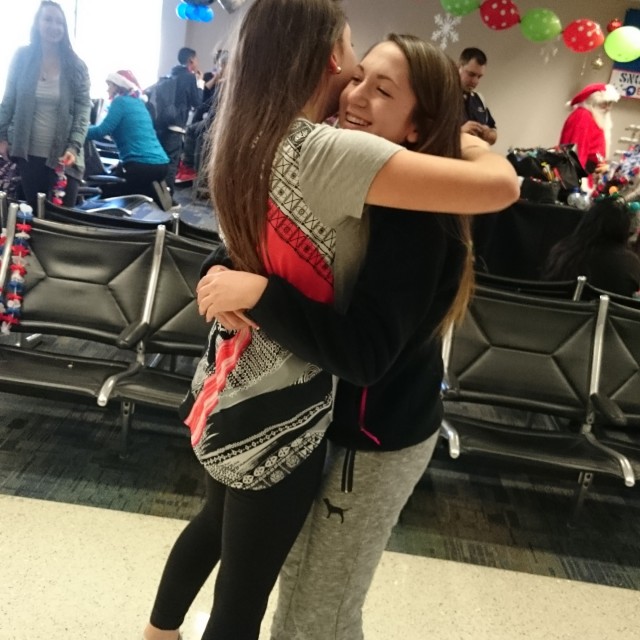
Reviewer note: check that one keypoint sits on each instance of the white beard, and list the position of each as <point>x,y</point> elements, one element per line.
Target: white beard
<point>603,119</point>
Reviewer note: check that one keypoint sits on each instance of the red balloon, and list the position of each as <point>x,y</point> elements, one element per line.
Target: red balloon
<point>499,14</point>
<point>583,35</point>
<point>614,24</point>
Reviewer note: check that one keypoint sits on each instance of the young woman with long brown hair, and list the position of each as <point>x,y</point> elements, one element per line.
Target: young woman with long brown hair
<point>289,194</point>
<point>415,282</point>
<point>44,113</point>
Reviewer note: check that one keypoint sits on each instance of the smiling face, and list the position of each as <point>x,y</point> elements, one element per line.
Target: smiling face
<point>379,98</point>
<point>51,25</point>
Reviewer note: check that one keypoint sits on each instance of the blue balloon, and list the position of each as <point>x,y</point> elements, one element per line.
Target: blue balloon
<point>193,12</point>
<point>181,10</point>
<point>206,14</point>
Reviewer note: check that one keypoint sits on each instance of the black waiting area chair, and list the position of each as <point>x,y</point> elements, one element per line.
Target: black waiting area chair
<point>539,355</point>
<point>562,289</point>
<point>120,212</point>
<point>127,295</point>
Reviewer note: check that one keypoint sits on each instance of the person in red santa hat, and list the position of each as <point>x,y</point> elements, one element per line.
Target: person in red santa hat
<point>589,125</point>
<point>143,162</point>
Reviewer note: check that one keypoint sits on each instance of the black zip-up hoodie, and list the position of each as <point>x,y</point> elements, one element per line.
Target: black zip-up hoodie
<point>384,348</point>
<point>187,94</point>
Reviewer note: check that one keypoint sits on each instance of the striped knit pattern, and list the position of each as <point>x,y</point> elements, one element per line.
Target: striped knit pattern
<point>258,410</point>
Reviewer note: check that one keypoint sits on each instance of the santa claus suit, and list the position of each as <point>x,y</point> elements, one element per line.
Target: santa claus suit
<point>588,126</point>
<point>581,129</point>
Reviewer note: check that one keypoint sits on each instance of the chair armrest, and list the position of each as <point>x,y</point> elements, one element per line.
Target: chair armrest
<point>104,179</point>
<point>110,383</point>
<point>607,411</point>
<point>132,334</point>
<point>87,190</point>
<point>450,388</point>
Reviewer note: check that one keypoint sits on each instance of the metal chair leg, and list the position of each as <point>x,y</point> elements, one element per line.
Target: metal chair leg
<point>584,482</point>
<point>126,415</point>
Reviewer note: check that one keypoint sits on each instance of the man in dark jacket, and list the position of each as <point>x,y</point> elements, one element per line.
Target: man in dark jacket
<point>187,97</point>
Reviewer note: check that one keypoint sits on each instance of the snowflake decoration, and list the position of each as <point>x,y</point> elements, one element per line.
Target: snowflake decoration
<point>446,29</point>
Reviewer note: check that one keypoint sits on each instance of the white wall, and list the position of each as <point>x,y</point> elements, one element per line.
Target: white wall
<point>173,37</point>
<point>206,38</point>
<point>526,94</point>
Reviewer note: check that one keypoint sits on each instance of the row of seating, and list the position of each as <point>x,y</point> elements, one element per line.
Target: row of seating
<point>520,347</point>
<point>129,289</point>
<point>576,361</point>
<point>121,212</point>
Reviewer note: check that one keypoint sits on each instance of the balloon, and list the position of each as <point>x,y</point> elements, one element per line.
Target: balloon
<point>499,14</point>
<point>193,12</point>
<point>614,24</point>
<point>583,35</point>
<point>460,7</point>
<point>181,10</point>
<point>197,13</point>
<point>623,44</point>
<point>206,15</point>
<point>539,25</point>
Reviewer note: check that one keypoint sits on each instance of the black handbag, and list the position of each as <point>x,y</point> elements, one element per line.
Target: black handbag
<point>542,191</point>
<point>556,164</point>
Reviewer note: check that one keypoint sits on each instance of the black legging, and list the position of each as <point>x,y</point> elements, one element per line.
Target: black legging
<point>36,177</point>
<point>139,178</point>
<point>251,533</point>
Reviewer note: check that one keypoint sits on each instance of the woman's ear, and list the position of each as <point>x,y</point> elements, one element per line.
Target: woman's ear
<point>334,67</point>
<point>412,135</point>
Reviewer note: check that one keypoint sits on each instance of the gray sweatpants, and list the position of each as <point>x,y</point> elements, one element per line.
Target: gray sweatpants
<point>324,582</point>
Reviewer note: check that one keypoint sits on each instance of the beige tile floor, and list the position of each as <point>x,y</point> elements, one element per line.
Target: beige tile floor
<point>80,573</point>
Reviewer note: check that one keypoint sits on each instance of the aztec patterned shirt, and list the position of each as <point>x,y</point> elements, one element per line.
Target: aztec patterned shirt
<point>256,410</point>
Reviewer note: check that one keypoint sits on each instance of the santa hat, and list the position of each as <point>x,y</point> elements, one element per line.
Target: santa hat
<point>124,79</point>
<point>599,91</point>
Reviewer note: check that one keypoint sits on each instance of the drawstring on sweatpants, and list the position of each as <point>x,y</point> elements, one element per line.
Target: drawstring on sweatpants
<point>346,485</point>
<point>348,465</point>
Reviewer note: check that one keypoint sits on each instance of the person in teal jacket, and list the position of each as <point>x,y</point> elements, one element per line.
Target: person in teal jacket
<point>128,123</point>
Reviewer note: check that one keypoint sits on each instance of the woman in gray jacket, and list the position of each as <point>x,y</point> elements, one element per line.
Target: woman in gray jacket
<point>44,113</point>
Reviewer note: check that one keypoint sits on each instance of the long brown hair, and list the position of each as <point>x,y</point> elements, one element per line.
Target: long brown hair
<point>277,65</point>
<point>438,116</point>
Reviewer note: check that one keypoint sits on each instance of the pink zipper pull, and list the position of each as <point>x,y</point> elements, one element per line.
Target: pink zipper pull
<point>363,406</point>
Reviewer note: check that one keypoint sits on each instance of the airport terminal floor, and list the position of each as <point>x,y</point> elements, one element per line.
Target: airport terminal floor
<point>480,553</point>
<point>71,570</point>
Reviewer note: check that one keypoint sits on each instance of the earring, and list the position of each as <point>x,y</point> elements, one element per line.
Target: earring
<point>338,70</point>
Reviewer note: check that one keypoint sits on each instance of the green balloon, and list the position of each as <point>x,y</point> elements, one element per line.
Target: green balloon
<point>460,7</point>
<point>539,25</point>
<point>623,44</point>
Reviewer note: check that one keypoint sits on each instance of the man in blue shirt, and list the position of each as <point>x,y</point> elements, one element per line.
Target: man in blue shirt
<point>480,122</point>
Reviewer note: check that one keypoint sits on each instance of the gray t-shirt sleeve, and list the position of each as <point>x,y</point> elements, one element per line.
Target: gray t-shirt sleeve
<point>337,167</point>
